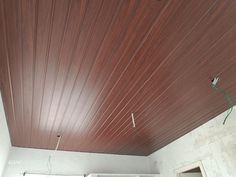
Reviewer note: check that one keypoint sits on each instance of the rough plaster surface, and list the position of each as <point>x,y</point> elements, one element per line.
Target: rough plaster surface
<point>5,143</point>
<point>62,162</point>
<point>213,144</point>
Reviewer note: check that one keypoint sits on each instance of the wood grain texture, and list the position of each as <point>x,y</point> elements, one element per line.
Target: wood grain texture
<point>79,68</point>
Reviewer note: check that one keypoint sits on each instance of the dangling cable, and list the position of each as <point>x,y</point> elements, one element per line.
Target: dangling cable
<point>135,132</point>
<point>58,143</point>
<point>49,165</point>
<point>228,98</point>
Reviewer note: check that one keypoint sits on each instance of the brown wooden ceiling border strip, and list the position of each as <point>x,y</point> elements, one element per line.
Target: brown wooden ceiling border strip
<point>27,28</point>
<point>34,64</point>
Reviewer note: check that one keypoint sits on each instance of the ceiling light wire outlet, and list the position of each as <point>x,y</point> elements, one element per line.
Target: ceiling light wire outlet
<point>215,81</point>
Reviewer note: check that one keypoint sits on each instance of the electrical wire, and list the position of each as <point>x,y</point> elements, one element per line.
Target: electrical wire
<point>228,98</point>
<point>135,132</point>
<point>49,164</point>
<point>133,121</point>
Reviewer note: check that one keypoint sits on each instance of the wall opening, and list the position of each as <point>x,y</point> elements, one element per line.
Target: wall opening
<point>192,170</point>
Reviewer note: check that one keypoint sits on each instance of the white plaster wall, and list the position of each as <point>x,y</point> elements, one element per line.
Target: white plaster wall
<point>213,144</point>
<point>5,143</point>
<point>35,160</point>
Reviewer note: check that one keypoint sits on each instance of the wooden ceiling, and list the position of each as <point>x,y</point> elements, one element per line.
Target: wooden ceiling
<point>79,68</point>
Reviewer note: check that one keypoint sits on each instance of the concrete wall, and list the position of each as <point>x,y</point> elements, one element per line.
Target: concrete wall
<point>213,144</point>
<point>35,160</point>
<point>5,143</point>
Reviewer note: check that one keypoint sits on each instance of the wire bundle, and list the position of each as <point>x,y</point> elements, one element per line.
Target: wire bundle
<point>228,98</point>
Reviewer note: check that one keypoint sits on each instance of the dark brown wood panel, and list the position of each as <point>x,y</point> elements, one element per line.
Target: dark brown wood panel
<point>80,68</point>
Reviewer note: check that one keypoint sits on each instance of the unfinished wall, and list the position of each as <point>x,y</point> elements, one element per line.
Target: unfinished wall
<point>213,143</point>
<point>35,160</point>
<point>5,143</point>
